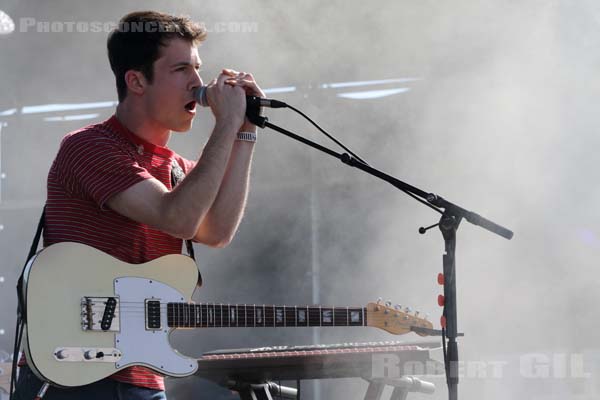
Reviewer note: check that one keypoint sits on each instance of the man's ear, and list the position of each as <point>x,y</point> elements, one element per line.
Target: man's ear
<point>136,81</point>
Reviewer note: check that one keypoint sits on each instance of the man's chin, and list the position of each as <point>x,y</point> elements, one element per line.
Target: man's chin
<point>184,127</point>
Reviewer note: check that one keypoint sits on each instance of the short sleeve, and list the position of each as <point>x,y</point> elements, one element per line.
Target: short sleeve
<point>95,166</point>
<point>185,164</point>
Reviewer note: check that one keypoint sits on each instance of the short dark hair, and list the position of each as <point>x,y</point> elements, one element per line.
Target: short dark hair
<point>135,43</point>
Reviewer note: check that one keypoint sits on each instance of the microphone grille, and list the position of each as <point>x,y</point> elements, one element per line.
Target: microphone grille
<point>201,96</point>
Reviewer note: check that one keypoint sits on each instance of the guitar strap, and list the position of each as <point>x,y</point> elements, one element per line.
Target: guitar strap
<point>177,175</point>
<point>21,310</point>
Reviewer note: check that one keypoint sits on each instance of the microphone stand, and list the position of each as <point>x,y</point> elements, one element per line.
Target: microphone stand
<point>448,225</point>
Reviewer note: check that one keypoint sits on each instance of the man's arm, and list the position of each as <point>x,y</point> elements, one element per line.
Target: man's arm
<point>181,211</point>
<point>221,222</point>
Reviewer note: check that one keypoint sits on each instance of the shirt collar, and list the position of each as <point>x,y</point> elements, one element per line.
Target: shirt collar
<point>141,144</point>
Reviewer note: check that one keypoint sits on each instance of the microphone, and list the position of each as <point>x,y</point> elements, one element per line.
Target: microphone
<point>251,101</point>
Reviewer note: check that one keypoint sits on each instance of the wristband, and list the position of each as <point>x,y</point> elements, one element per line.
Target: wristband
<point>246,137</point>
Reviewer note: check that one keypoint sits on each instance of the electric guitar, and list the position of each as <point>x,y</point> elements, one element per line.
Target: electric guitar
<point>90,315</point>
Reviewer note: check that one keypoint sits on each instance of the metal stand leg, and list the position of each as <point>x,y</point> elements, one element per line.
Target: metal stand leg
<point>262,391</point>
<point>401,386</point>
<point>374,391</point>
<point>399,394</point>
<point>255,392</point>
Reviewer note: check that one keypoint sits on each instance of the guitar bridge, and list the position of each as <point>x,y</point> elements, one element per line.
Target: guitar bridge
<point>100,314</point>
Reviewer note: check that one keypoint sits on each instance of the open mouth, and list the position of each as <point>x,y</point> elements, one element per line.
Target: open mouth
<point>191,106</point>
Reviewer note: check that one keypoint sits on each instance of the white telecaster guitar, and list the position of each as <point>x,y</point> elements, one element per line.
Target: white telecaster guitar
<point>90,315</point>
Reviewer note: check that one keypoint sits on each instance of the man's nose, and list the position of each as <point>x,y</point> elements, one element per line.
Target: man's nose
<point>196,81</point>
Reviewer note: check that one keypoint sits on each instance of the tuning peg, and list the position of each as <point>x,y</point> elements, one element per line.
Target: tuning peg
<point>398,307</point>
<point>407,310</point>
<point>417,313</point>
<point>379,300</point>
<point>388,304</point>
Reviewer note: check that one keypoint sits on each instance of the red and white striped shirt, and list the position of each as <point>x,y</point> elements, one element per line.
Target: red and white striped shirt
<point>92,165</point>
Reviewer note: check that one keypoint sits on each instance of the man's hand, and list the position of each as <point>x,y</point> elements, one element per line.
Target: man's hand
<point>247,82</point>
<point>227,101</point>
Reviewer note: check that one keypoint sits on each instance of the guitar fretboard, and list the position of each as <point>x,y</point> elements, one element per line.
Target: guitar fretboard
<point>185,315</point>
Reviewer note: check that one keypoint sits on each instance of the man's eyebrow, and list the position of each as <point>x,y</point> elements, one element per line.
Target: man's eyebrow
<point>185,63</point>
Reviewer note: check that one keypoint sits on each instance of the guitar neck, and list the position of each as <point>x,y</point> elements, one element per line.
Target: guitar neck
<point>187,315</point>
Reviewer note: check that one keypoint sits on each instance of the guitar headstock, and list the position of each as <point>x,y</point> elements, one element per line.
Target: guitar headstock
<point>395,320</point>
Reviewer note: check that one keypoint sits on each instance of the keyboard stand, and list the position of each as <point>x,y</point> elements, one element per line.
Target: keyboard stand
<point>402,386</point>
<point>263,391</point>
<point>252,372</point>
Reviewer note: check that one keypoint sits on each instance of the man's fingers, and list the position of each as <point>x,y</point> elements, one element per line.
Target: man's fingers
<point>221,80</point>
<point>242,79</point>
<point>230,72</point>
<point>213,82</point>
<point>247,83</point>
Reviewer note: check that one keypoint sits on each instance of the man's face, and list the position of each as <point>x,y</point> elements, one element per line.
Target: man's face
<point>170,96</point>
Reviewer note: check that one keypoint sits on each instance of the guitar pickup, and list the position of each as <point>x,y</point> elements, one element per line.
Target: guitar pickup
<point>100,314</point>
<point>153,321</point>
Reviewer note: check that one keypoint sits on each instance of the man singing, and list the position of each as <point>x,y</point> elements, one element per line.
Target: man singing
<point>110,184</point>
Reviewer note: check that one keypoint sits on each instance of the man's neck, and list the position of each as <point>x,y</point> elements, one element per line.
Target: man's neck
<point>142,126</point>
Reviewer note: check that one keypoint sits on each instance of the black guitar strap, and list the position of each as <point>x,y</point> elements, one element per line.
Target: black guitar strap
<point>177,176</point>
<point>21,310</point>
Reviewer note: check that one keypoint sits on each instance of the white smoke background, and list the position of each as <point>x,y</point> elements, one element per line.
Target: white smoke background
<point>502,121</point>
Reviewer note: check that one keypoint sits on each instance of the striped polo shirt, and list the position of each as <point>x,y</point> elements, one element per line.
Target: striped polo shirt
<point>92,165</point>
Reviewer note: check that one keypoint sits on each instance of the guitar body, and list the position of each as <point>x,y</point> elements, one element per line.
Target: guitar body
<point>60,277</point>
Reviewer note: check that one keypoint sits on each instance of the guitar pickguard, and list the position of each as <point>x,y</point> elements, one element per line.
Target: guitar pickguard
<point>147,346</point>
